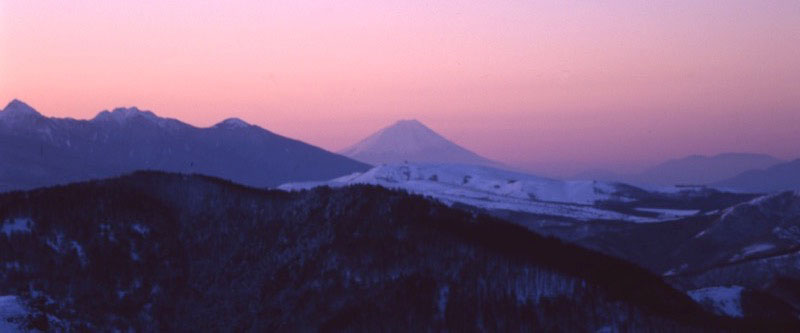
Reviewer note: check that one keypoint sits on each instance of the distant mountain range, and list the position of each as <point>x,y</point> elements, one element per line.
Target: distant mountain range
<point>411,141</point>
<point>39,151</point>
<point>784,176</point>
<point>698,169</point>
<point>691,170</point>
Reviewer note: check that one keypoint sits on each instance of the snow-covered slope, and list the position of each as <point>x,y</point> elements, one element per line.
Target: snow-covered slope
<point>764,227</point>
<point>726,301</point>
<point>491,188</point>
<point>12,312</point>
<point>411,141</point>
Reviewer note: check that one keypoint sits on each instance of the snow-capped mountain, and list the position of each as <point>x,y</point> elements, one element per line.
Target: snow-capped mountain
<point>411,141</point>
<point>39,151</point>
<point>781,177</point>
<point>496,189</point>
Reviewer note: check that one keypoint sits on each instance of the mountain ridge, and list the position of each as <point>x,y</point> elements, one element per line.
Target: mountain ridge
<point>779,177</point>
<point>693,169</point>
<point>44,151</point>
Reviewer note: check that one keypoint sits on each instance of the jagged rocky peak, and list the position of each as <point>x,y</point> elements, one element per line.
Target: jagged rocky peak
<point>123,114</point>
<point>18,109</point>
<point>232,123</point>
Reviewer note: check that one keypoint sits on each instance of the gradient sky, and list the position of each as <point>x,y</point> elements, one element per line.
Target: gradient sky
<point>554,86</point>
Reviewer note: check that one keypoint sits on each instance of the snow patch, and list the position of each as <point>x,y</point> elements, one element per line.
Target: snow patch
<point>757,248</point>
<point>140,229</point>
<point>56,243</point>
<point>79,251</point>
<point>12,265</point>
<point>11,311</point>
<point>669,213</point>
<point>441,303</point>
<point>411,141</point>
<point>725,301</point>
<point>17,225</point>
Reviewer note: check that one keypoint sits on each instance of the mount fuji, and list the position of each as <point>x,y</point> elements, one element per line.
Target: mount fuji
<point>38,151</point>
<point>411,141</point>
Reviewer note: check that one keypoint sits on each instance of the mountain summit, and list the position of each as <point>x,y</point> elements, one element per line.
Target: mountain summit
<point>17,111</point>
<point>412,141</point>
<point>18,107</point>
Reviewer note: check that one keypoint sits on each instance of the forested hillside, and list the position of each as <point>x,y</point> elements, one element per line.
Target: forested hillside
<point>155,251</point>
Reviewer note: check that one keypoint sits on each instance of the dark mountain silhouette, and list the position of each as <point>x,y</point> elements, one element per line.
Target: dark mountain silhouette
<point>40,151</point>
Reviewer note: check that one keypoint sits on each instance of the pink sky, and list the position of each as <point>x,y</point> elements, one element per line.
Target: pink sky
<point>553,86</point>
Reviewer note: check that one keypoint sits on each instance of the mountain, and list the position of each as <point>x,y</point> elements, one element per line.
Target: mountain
<point>753,247</point>
<point>495,189</point>
<point>738,256</point>
<point>154,251</point>
<point>41,151</point>
<point>690,170</point>
<point>411,141</point>
<point>764,227</point>
<point>781,177</point>
<point>698,169</point>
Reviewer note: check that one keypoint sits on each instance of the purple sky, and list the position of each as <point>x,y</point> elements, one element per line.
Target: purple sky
<point>554,86</point>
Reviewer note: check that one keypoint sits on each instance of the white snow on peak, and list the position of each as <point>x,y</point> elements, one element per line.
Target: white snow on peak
<point>489,188</point>
<point>726,301</point>
<point>404,136</point>
<point>232,123</point>
<point>411,141</point>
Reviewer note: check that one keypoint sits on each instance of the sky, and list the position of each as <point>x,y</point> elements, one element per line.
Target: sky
<point>550,86</point>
